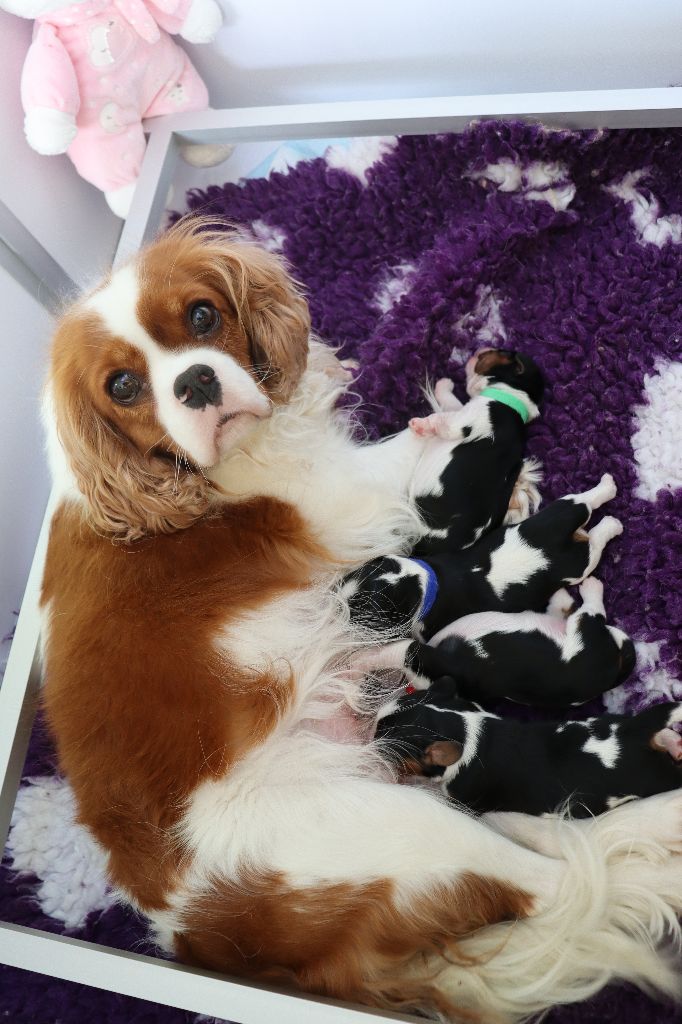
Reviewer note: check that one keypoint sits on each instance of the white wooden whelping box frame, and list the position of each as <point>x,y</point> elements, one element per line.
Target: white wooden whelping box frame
<point>129,973</point>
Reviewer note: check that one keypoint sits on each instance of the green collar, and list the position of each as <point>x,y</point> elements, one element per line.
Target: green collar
<point>511,400</point>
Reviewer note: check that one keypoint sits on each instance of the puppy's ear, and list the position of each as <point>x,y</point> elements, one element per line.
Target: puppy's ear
<point>443,753</point>
<point>488,360</point>
<point>518,365</point>
<point>128,495</point>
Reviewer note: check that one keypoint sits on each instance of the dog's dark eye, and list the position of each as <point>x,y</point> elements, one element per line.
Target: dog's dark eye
<point>124,387</point>
<point>203,318</point>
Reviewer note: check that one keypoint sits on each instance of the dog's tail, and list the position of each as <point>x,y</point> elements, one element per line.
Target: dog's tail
<point>615,919</point>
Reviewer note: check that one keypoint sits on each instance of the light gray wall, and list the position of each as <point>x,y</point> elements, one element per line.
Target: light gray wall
<point>68,217</point>
<point>312,50</point>
<point>23,473</point>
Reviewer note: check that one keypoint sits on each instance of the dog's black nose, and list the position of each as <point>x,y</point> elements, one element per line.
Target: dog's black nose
<point>198,387</point>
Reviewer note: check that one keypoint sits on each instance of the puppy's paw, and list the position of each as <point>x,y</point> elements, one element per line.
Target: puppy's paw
<point>669,741</point>
<point>560,604</point>
<point>592,590</point>
<point>436,425</point>
<point>610,527</point>
<point>444,395</point>
<point>608,486</point>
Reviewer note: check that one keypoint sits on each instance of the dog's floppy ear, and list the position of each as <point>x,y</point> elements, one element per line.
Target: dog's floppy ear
<point>128,495</point>
<point>266,299</point>
<point>278,326</point>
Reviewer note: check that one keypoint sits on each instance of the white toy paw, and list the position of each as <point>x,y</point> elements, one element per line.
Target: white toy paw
<point>49,131</point>
<point>119,199</point>
<point>203,21</point>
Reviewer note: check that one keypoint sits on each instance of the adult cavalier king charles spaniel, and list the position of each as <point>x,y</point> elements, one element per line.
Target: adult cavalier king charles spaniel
<point>211,497</point>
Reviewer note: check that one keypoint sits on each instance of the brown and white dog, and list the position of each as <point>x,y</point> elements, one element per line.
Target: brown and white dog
<point>210,499</point>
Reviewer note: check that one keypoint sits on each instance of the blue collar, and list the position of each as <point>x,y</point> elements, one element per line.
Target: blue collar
<point>431,588</point>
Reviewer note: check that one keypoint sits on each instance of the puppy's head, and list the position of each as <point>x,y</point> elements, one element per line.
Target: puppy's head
<point>492,366</point>
<point>166,368</point>
<point>421,731</point>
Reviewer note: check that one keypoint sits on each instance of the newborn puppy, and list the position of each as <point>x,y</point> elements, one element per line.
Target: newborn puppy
<point>512,569</point>
<point>545,660</point>
<point>497,764</point>
<point>481,466</point>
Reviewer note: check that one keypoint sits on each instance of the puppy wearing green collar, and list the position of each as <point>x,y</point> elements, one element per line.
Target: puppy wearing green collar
<point>480,446</point>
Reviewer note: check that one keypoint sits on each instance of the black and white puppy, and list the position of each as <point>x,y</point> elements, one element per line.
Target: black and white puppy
<point>482,463</point>
<point>497,764</point>
<point>547,660</point>
<point>511,569</point>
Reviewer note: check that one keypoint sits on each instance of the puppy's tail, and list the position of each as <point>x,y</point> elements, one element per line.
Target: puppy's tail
<point>615,919</point>
<point>526,498</point>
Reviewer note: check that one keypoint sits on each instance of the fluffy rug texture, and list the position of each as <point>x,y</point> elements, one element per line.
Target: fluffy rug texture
<point>414,252</point>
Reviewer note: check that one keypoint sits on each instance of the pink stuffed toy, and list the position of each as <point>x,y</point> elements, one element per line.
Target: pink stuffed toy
<point>96,68</point>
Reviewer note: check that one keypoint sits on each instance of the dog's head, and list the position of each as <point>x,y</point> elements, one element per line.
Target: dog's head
<point>491,366</point>
<point>166,368</point>
<point>422,731</point>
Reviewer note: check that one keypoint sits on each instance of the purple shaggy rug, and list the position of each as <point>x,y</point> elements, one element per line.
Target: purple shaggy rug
<point>414,252</point>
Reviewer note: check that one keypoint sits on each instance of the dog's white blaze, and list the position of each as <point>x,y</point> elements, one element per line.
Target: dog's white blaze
<point>607,750</point>
<point>194,430</point>
<point>515,561</point>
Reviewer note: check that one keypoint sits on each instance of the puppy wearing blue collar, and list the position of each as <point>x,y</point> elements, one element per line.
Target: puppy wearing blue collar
<point>477,470</point>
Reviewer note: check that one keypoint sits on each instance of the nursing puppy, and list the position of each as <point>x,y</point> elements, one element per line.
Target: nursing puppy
<point>475,483</point>
<point>546,660</point>
<point>498,764</point>
<point>511,569</point>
